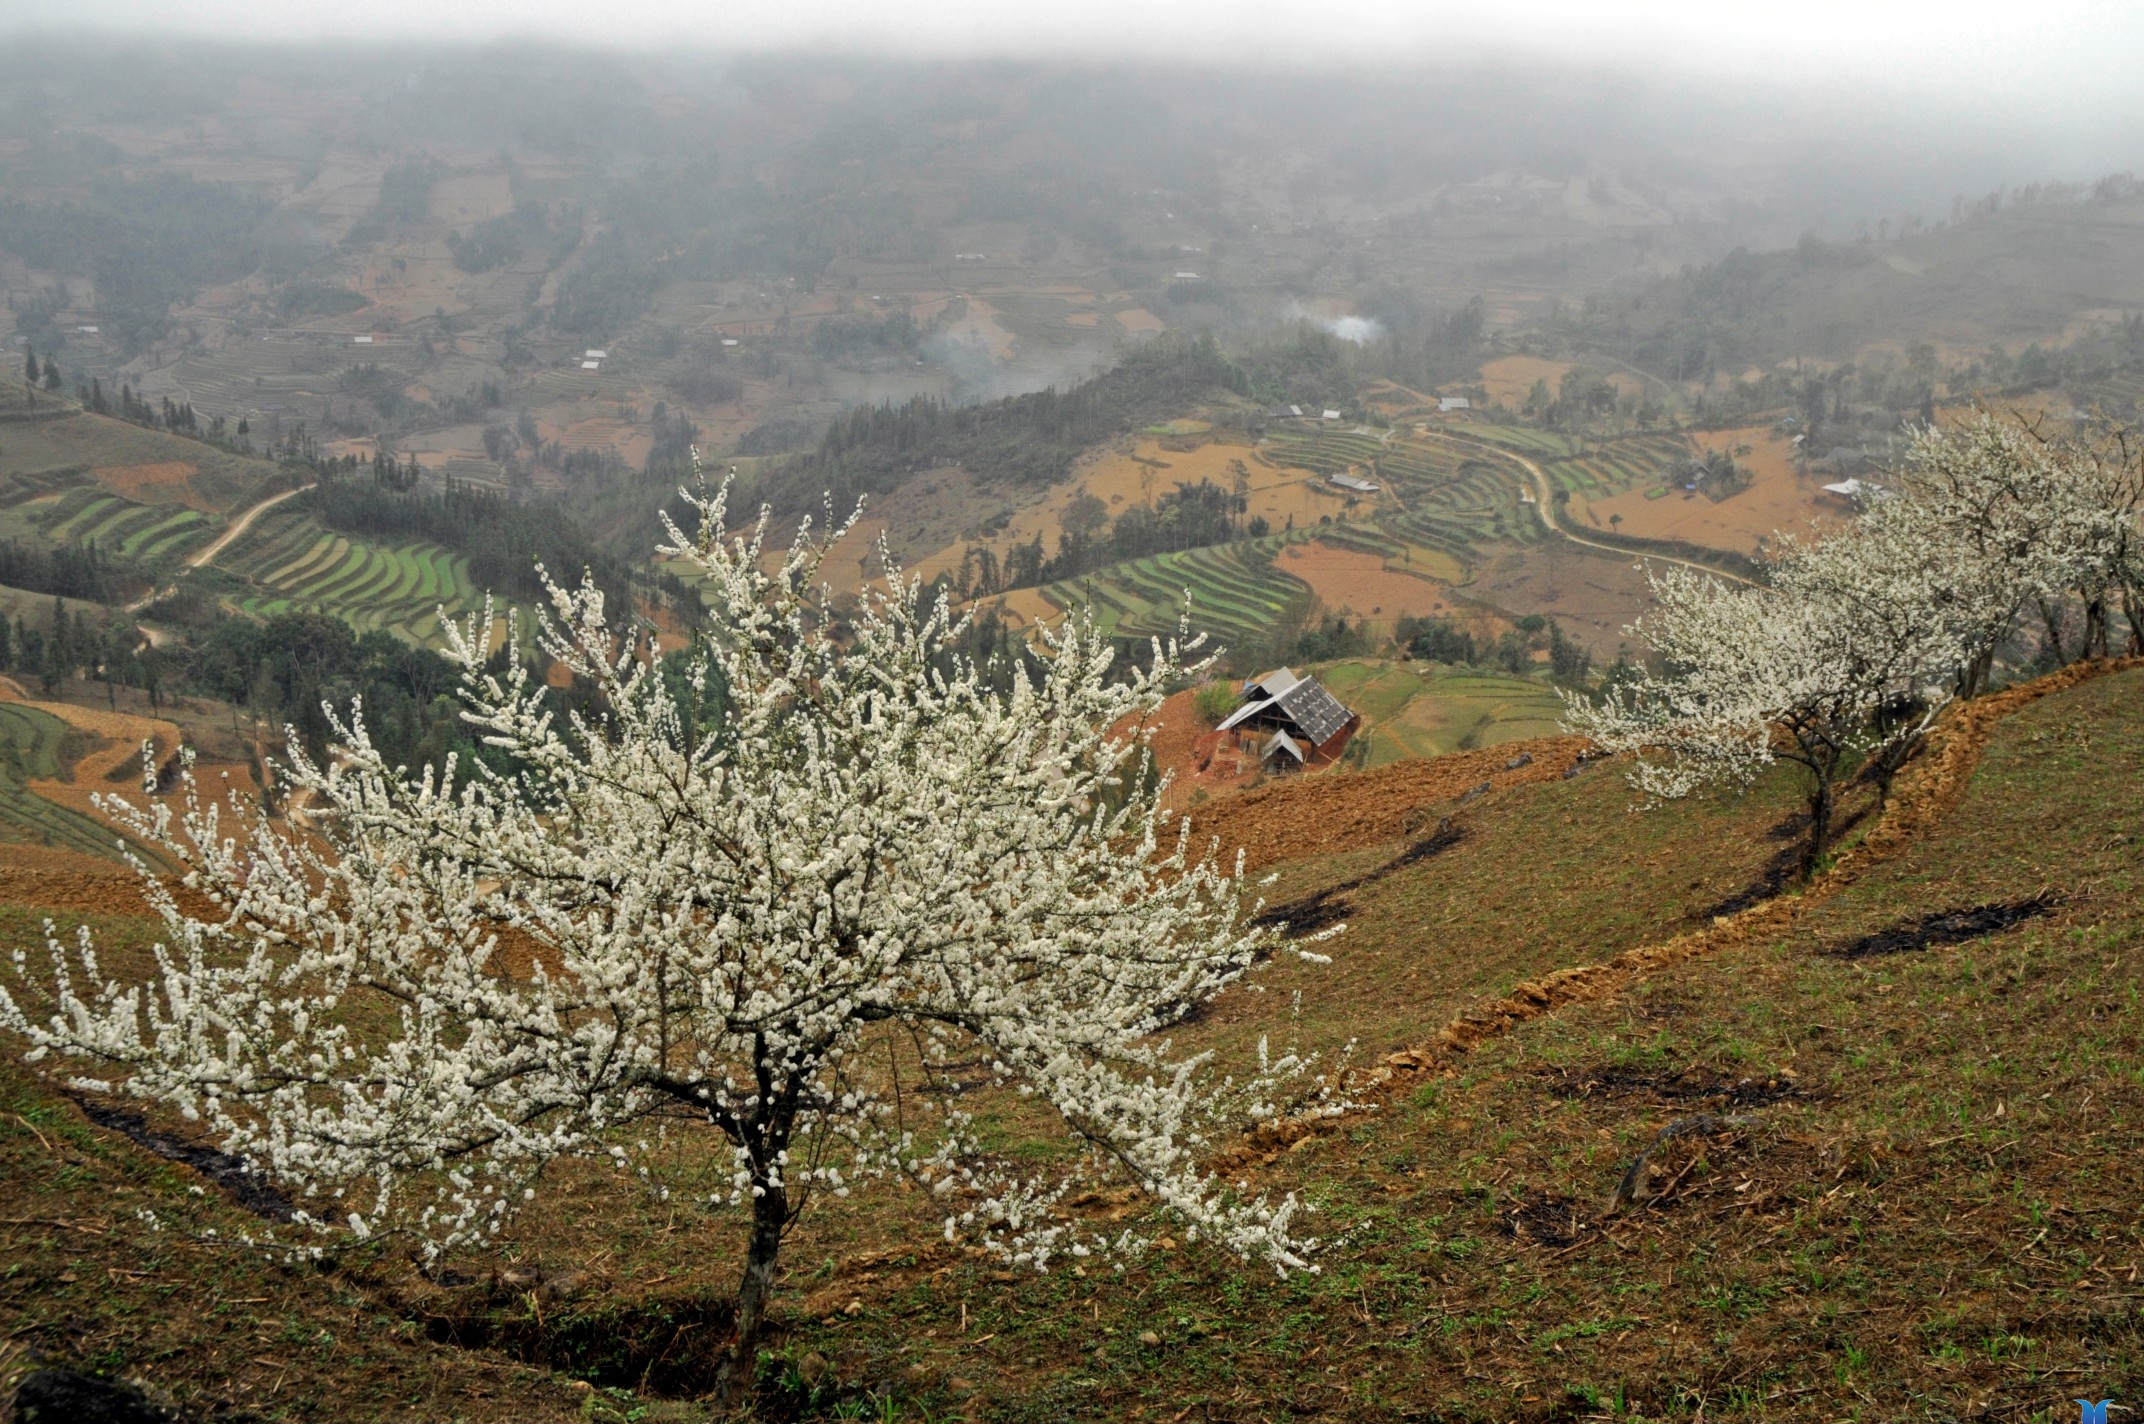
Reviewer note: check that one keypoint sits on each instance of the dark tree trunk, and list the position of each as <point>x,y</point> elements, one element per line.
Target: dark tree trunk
<point>1819,824</point>
<point>770,1216</point>
<point>2051,618</point>
<point>2095,629</point>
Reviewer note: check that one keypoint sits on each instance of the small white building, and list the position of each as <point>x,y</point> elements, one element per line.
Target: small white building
<point>1355,482</point>
<point>362,340</point>
<point>593,355</point>
<point>1454,403</point>
<point>729,341</point>
<point>1187,276</point>
<point>1332,415</point>
<point>87,330</point>
<point>1295,410</point>
<point>591,365</point>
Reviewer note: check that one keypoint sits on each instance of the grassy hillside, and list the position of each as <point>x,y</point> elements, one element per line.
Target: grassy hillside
<point>1918,1202</point>
<point>147,466</point>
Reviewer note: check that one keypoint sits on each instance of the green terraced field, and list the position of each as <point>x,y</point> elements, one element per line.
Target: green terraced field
<point>1541,444</point>
<point>148,532</point>
<point>1477,503</point>
<point>1237,595</point>
<point>296,565</point>
<point>30,743</point>
<point>1421,709</point>
<point>1443,496</point>
<point>1621,464</point>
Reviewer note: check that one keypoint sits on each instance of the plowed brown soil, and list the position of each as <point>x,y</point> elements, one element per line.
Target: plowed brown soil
<point>1319,812</point>
<point>43,878</point>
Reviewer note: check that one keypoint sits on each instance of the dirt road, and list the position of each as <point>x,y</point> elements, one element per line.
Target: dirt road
<point>221,542</point>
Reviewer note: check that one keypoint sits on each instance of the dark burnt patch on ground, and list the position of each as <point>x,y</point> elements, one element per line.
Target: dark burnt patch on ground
<point>239,1181</point>
<point>1330,906</point>
<point>1671,1086</point>
<point>1946,927</point>
<point>1545,1219</point>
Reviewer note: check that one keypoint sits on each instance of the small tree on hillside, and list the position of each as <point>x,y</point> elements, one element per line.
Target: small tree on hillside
<point>786,898</point>
<point>1755,676</point>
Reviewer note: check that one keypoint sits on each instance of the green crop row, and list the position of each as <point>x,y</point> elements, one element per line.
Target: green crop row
<point>30,743</point>
<point>296,565</point>
<point>1236,592</point>
<point>88,515</point>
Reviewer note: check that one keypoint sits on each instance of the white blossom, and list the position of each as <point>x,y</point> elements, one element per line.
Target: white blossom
<point>802,886</point>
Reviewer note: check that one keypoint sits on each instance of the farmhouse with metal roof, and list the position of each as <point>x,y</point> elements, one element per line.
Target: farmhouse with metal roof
<point>1297,719</point>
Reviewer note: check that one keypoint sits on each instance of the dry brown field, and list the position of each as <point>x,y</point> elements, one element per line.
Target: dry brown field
<point>1508,379</point>
<point>1363,586</point>
<point>1778,500</point>
<point>159,482</point>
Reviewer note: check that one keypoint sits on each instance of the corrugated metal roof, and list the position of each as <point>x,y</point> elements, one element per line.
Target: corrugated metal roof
<point>1303,701</point>
<point>1282,742</point>
<point>1316,711</point>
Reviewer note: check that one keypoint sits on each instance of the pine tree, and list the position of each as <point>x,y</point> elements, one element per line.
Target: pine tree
<point>29,365</point>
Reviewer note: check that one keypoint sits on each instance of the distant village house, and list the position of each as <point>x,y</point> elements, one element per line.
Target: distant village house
<point>1355,482</point>
<point>1293,720</point>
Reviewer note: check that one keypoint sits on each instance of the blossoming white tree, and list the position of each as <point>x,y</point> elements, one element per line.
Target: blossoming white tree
<point>1998,519</point>
<point>1753,676</point>
<point>772,899</point>
<point>1861,638</point>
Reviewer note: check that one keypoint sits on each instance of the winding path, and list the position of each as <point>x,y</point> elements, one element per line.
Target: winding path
<point>221,542</point>
<point>1544,494</point>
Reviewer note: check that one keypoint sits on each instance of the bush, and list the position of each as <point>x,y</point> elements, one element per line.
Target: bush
<point>1214,701</point>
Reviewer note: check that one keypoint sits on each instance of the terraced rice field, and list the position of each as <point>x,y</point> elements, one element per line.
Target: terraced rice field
<point>1326,452</point>
<point>1441,496</point>
<point>296,565</point>
<point>2119,394</point>
<point>1621,464</point>
<point>1478,504</point>
<point>30,743</point>
<point>1412,710</point>
<point>151,533</point>
<point>1237,595</point>
<point>1541,444</point>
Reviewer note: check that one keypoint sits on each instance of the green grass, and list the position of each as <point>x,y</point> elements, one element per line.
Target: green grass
<point>1931,1206</point>
<point>1424,709</point>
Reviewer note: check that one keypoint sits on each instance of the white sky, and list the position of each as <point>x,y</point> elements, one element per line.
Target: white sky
<point>2065,52</point>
